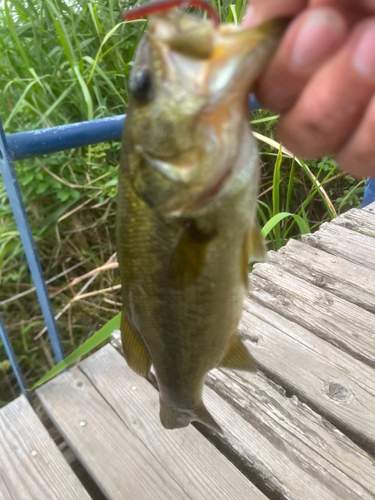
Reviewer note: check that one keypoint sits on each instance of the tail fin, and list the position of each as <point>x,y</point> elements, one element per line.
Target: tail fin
<point>175,419</point>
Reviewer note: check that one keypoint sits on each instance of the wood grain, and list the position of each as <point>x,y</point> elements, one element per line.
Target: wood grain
<point>31,466</point>
<point>343,242</point>
<point>361,221</point>
<point>283,445</point>
<point>370,208</point>
<point>192,461</point>
<point>4,492</point>
<point>344,279</point>
<point>328,379</point>
<point>116,459</point>
<point>316,451</point>
<point>335,320</point>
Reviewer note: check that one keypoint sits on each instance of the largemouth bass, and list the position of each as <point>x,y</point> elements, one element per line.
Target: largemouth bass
<point>186,204</point>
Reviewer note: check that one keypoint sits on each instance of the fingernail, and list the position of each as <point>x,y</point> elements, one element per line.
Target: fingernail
<point>317,40</point>
<point>364,55</point>
<point>250,17</point>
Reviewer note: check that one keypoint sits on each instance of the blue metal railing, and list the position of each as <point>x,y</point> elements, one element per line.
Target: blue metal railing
<point>52,140</point>
<point>46,141</point>
<point>369,195</point>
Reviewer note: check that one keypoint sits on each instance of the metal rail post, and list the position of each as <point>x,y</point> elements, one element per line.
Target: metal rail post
<point>12,358</point>
<point>18,207</point>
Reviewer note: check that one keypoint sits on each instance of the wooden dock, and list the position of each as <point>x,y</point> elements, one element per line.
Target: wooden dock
<point>302,428</point>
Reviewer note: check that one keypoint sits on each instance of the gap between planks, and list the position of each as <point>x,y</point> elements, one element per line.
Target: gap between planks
<point>328,379</point>
<point>350,245</point>
<point>31,466</point>
<point>361,221</point>
<point>346,280</point>
<point>335,320</point>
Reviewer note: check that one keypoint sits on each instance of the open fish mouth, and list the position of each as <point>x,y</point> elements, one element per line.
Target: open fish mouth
<point>184,173</point>
<point>171,168</point>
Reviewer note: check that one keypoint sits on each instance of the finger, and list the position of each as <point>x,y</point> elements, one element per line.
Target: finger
<point>333,102</point>
<point>262,10</point>
<point>352,11</point>
<point>349,6</point>
<point>314,37</point>
<point>369,4</point>
<point>357,157</point>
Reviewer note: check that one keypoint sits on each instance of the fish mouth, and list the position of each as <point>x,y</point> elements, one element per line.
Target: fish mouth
<point>240,55</point>
<point>213,191</point>
<point>208,61</point>
<point>181,196</point>
<point>174,169</point>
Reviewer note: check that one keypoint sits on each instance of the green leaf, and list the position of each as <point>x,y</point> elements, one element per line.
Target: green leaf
<point>85,92</point>
<point>276,219</point>
<point>90,344</point>
<point>19,104</point>
<point>63,195</point>
<point>290,185</point>
<point>276,194</point>
<point>234,13</point>
<point>97,57</point>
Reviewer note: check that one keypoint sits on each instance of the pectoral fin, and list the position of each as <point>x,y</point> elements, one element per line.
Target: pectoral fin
<point>257,246</point>
<point>253,250</point>
<point>189,255</point>
<point>135,351</point>
<point>238,357</point>
<point>174,419</point>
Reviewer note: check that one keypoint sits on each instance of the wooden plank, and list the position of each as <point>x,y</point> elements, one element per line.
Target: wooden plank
<point>192,461</point>
<point>4,492</point>
<point>284,455</point>
<point>335,320</point>
<point>343,278</point>
<point>361,221</point>
<point>117,460</point>
<point>329,380</point>
<point>344,243</point>
<point>31,465</point>
<point>310,442</point>
<point>370,208</point>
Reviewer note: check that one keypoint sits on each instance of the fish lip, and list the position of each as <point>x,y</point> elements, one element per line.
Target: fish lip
<point>170,170</point>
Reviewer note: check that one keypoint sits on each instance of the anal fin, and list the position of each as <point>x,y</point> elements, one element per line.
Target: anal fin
<point>135,351</point>
<point>238,357</point>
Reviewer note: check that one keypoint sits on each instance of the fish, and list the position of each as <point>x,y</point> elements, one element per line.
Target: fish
<point>186,204</point>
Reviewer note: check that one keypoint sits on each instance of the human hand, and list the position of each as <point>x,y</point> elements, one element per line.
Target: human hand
<point>322,79</point>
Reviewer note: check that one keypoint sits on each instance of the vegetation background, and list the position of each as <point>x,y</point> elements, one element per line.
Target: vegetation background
<point>66,61</point>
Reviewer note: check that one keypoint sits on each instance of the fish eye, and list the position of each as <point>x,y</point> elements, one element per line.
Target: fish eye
<point>142,85</point>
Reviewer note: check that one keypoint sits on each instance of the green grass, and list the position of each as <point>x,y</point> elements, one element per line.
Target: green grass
<point>67,61</point>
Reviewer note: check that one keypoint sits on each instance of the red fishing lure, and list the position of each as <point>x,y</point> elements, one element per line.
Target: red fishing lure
<point>150,8</point>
